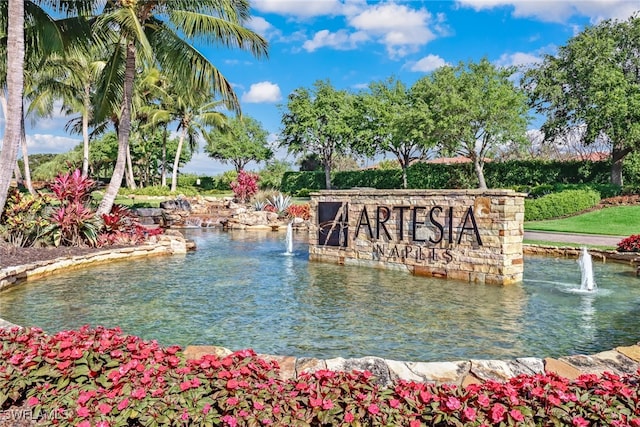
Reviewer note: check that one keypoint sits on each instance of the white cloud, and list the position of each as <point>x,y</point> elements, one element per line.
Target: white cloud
<point>263,92</point>
<point>401,29</point>
<point>263,27</point>
<point>298,8</point>
<point>560,11</point>
<point>341,40</point>
<point>428,63</point>
<point>46,143</point>
<point>518,59</point>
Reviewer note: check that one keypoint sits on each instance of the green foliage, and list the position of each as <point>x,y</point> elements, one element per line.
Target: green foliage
<point>556,205</point>
<point>241,141</point>
<point>294,181</point>
<point>24,220</point>
<point>397,122</point>
<point>387,179</point>
<point>386,164</point>
<point>592,82</point>
<point>437,176</point>
<point>475,107</point>
<point>271,175</point>
<point>319,121</point>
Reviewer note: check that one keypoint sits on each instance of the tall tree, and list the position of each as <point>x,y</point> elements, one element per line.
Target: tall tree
<point>243,140</point>
<point>593,80</point>
<point>391,120</point>
<point>475,108</point>
<point>193,113</point>
<point>15,85</point>
<point>149,34</point>
<point>318,121</point>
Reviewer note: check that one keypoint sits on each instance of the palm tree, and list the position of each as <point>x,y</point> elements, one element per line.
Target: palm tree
<point>193,114</point>
<point>15,86</point>
<point>31,35</point>
<point>149,34</point>
<point>71,78</point>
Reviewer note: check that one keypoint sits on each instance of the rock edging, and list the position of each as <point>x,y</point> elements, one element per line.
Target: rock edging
<point>169,243</point>
<point>621,360</point>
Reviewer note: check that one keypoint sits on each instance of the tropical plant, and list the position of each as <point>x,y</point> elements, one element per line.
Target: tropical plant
<point>299,211</point>
<point>100,377</point>
<point>24,220</point>
<point>73,223</point>
<point>279,203</point>
<point>629,244</point>
<point>150,33</point>
<point>15,86</point>
<point>245,186</point>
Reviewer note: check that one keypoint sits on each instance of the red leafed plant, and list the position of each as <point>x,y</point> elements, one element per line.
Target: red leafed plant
<point>630,244</point>
<point>299,211</point>
<point>245,186</point>
<point>72,221</point>
<point>102,377</point>
<point>122,227</point>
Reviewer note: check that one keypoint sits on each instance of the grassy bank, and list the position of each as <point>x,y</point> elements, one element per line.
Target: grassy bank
<point>614,221</point>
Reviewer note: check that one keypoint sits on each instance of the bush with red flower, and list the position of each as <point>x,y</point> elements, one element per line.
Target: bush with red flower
<point>102,377</point>
<point>630,244</point>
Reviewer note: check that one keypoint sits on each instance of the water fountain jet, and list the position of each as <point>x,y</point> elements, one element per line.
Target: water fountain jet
<point>290,238</point>
<point>587,283</point>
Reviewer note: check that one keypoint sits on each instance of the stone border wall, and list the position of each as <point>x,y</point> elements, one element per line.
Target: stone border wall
<point>470,235</point>
<point>621,360</point>
<point>169,243</point>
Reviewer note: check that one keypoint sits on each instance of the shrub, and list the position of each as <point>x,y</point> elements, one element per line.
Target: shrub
<point>122,227</point>
<point>72,222</point>
<point>24,220</point>
<point>100,377</point>
<point>245,186</point>
<point>279,203</point>
<point>630,244</point>
<point>299,211</point>
<point>556,205</point>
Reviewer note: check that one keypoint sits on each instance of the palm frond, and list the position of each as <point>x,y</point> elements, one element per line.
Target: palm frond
<point>109,90</point>
<point>219,31</point>
<point>185,65</point>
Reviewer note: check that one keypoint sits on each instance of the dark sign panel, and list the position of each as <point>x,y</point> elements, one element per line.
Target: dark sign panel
<point>333,225</point>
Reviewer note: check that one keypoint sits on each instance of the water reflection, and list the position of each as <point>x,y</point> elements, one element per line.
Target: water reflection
<point>239,290</point>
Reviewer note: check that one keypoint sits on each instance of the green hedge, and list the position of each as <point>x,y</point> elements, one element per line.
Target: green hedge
<point>522,174</point>
<point>557,205</point>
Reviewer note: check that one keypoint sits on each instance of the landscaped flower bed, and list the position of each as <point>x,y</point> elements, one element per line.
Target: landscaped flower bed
<point>102,377</point>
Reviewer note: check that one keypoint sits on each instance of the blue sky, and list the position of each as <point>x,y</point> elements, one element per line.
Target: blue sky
<point>354,42</point>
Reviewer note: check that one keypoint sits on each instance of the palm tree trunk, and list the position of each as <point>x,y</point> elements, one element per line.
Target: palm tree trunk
<point>15,85</point>
<point>85,130</point>
<point>176,161</point>
<point>124,129</point>
<point>131,182</point>
<point>163,165</point>
<point>25,159</point>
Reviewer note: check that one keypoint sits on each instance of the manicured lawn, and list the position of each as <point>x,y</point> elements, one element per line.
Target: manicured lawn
<point>615,221</point>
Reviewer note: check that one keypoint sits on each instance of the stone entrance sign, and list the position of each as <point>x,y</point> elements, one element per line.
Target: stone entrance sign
<point>470,235</point>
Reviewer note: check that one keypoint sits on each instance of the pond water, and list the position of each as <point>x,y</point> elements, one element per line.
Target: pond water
<point>241,290</point>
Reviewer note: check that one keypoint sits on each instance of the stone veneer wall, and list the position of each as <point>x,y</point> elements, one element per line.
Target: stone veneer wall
<point>169,243</point>
<point>498,215</point>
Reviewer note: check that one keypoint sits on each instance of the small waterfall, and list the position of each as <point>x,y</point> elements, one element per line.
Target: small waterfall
<point>586,268</point>
<point>290,238</point>
<point>193,222</point>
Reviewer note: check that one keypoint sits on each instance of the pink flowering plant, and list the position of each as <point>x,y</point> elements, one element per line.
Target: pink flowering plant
<point>630,244</point>
<point>245,186</point>
<point>102,377</point>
